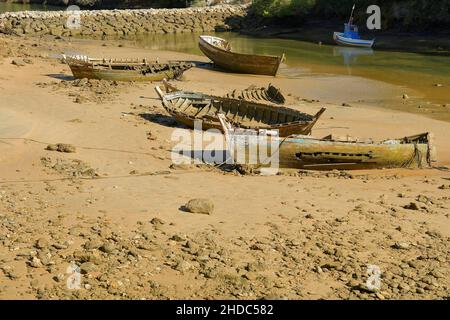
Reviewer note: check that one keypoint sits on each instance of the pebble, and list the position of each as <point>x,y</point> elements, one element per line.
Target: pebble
<point>18,62</point>
<point>41,243</point>
<point>401,246</point>
<point>35,262</point>
<point>411,206</point>
<point>107,247</point>
<point>87,267</point>
<point>183,266</point>
<point>157,221</point>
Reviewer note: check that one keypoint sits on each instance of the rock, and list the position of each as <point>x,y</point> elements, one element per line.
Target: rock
<point>81,99</point>
<point>41,243</point>
<point>405,96</point>
<point>36,262</point>
<point>200,205</point>
<point>61,147</point>
<point>401,246</point>
<point>52,147</point>
<point>420,290</point>
<point>108,247</point>
<point>183,266</point>
<point>380,296</point>
<point>67,148</point>
<point>87,267</point>
<point>411,206</point>
<point>404,287</point>
<point>157,221</point>
<point>92,244</point>
<point>345,104</point>
<point>363,287</point>
<point>445,187</point>
<point>177,238</point>
<point>18,62</point>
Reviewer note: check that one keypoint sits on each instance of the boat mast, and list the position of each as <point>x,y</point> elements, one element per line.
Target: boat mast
<point>351,15</point>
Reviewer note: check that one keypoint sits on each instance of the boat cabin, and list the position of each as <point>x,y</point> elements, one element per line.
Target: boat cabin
<point>351,31</point>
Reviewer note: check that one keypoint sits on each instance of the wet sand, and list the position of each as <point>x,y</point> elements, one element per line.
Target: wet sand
<point>115,206</point>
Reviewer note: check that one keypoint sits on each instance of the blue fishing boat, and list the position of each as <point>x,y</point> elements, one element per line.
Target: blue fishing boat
<point>350,37</point>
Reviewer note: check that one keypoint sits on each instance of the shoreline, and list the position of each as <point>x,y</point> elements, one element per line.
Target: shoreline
<point>322,31</point>
<point>110,22</point>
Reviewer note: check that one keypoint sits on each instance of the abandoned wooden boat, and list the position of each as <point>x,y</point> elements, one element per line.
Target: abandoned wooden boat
<point>306,152</point>
<point>219,51</point>
<point>252,93</point>
<point>125,70</point>
<point>188,107</point>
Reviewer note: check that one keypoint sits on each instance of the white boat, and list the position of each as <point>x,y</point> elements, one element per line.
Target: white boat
<point>343,40</point>
<point>350,37</point>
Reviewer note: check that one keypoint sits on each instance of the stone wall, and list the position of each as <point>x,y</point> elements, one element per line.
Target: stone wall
<point>102,23</point>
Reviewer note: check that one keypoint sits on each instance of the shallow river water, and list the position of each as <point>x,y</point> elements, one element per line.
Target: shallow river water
<point>428,74</point>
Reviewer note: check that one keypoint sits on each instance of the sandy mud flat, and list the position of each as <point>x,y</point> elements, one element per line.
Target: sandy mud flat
<point>114,208</point>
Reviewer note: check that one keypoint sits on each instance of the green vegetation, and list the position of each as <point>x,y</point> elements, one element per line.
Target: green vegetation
<point>406,13</point>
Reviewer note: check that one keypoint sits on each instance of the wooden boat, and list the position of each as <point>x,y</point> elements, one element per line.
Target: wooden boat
<point>252,93</point>
<point>125,70</point>
<point>187,107</point>
<point>306,152</point>
<point>219,51</point>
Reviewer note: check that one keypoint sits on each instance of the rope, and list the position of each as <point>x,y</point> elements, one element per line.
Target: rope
<point>82,147</point>
<point>146,174</point>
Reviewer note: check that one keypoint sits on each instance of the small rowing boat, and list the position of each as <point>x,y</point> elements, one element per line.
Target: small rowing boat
<point>219,51</point>
<point>125,70</point>
<point>187,107</point>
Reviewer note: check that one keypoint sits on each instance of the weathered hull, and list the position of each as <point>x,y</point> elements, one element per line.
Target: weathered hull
<point>188,107</point>
<point>124,70</point>
<point>318,154</point>
<point>238,62</point>
<point>80,72</point>
<point>343,41</point>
